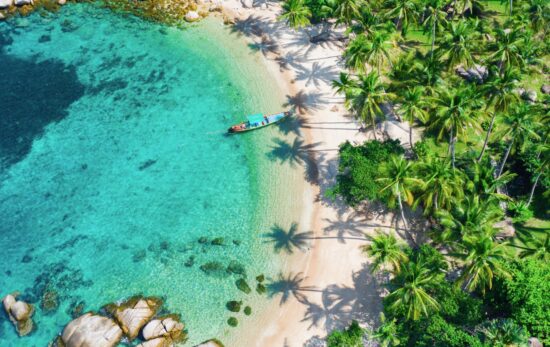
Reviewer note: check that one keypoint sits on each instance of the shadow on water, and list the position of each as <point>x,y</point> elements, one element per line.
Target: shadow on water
<point>34,95</point>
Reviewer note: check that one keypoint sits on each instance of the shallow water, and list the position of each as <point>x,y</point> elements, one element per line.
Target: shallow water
<point>113,163</point>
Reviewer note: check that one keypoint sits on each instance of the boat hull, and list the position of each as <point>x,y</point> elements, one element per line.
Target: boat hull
<point>271,119</point>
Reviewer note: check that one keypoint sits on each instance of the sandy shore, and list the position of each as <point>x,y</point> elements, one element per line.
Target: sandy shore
<point>327,284</point>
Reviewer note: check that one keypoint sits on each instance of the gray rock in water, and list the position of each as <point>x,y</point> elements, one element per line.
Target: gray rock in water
<point>19,313</point>
<point>545,89</point>
<point>5,3</point>
<point>91,330</point>
<point>23,2</point>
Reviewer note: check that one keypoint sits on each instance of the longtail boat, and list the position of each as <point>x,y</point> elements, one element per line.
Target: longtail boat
<point>257,121</point>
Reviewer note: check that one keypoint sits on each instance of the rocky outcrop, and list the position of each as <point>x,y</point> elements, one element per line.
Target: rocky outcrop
<point>158,342</point>
<point>247,3</point>
<point>528,95</point>
<point>91,330</point>
<point>19,313</point>
<point>23,2</point>
<point>534,342</point>
<point>134,313</point>
<point>545,89</point>
<point>168,327</point>
<point>5,3</point>
<point>477,73</point>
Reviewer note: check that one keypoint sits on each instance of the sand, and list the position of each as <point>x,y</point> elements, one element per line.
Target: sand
<point>326,284</point>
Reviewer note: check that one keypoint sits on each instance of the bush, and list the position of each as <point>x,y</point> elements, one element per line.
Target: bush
<point>436,332</point>
<point>234,306</point>
<point>232,322</point>
<point>360,167</point>
<point>519,211</point>
<point>420,149</point>
<point>243,286</point>
<point>351,337</point>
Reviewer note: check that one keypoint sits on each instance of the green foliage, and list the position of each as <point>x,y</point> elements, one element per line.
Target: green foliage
<point>435,331</point>
<point>502,333</point>
<point>243,286</point>
<point>519,211</point>
<point>350,337</point>
<point>527,292</point>
<point>232,322</point>
<point>234,306</point>
<point>171,12</point>
<point>359,168</point>
<point>420,148</point>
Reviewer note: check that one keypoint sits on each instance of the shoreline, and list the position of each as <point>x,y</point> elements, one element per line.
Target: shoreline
<point>326,298</point>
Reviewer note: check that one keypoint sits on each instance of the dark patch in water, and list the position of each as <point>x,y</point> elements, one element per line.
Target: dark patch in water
<point>139,256</point>
<point>33,96</point>
<point>147,164</point>
<point>27,258</point>
<point>108,86</point>
<point>71,242</point>
<point>44,38</point>
<point>84,167</point>
<point>67,26</point>
<point>110,64</point>
<point>8,273</point>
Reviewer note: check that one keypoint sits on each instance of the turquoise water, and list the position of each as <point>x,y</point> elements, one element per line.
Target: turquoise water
<point>113,163</point>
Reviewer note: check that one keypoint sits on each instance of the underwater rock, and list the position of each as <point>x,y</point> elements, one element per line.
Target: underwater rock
<point>61,2</point>
<point>134,313</point>
<point>234,306</point>
<point>23,2</point>
<point>158,342</point>
<point>168,327</point>
<point>49,302</point>
<point>91,330</point>
<point>19,313</point>
<point>192,16</point>
<point>243,286</point>
<point>218,241</point>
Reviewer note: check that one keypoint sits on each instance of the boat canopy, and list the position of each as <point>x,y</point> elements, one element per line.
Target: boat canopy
<point>255,118</point>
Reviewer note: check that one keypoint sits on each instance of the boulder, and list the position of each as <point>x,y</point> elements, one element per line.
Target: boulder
<point>476,74</point>
<point>19,313</point>
<point>23,2</point>
<point>529,96</point>
<point>192,16</point>
<point>5,3</point>
<point>61,2</point>
<point>545,89</point>
<point>168,326</point>
<point>211,343</point>
<point>134,313</point>
<point>247,3</point>
<point>91,330</point>
<point>534,342</point>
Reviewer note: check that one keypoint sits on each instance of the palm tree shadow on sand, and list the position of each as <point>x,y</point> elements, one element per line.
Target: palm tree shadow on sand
<point>290,286</point>
<point>295,154</point>
<point>288,240</point>
<point>292,125</point>
<point>303,102</point>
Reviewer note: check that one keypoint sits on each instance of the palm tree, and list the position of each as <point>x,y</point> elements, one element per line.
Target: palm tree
<point>472,217</point>
<point>348,10</point>
<point>386,334</point>
<point>365,49</point>
<point>501,94</point>
<point>412,294</point>
<point>435,18</point>
<point>296,13</point>
<point>482,180</point>
<point>458,44</point>
<point>397,177</point>
<point>404,13</point>
<point>345,85</point>
<point>454,114</point>
<point>507,49</point>
<point>519,126</point>
<point>538,249</point>
<point>385,250</point>
<point>413,108</point>
<point>538,13</point>
<point>368,98</point>
<point>441,184</point>
<point>543,163</point>
<point>482,259</point>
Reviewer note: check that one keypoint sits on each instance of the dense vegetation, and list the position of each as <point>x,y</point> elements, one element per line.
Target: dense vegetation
<point>468,73</point>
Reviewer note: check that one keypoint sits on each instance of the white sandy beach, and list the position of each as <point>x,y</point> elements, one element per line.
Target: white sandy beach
<point>328,284</point>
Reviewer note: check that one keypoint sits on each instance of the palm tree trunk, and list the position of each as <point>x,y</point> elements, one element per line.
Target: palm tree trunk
<point>505,158</point>
<point>487,137</point>
<point>452,147</point>
<point>436,197</point>
<point>511,3</point>
<point>403,218</point>
<point>533,188</point>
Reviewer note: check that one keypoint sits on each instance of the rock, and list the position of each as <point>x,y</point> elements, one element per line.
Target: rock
<point>334,108</point>
<point>61,2</point>
<point>2,17</point>
<point>534,342</point>
<point>192,16</point>
<point>167,327</point>
<point>211,343</point>
<point>529,95</point>
<point>476,73</point>
<point>91,330</point>
<point>545,89</point>
<point>247,3</point>
<point>5,3</point>
<point>19,313</point>
<point>23,2</point>
<point>134,313</point>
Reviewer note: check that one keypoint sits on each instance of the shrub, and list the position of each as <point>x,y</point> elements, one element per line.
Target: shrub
<point>519,211</point>
<point>350,337</point>
<point>420,149</point>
